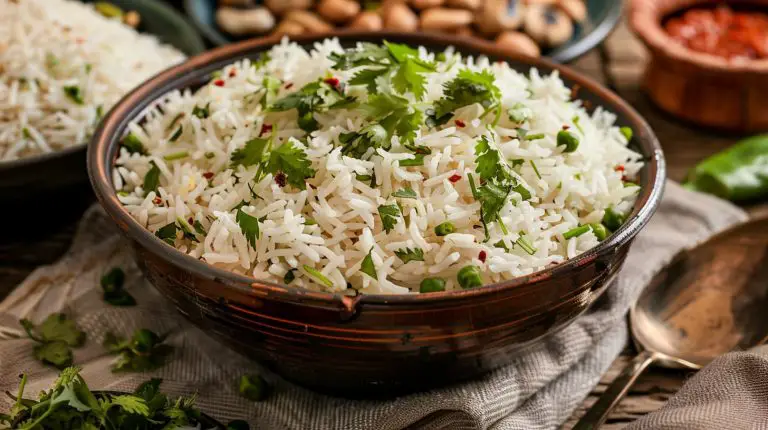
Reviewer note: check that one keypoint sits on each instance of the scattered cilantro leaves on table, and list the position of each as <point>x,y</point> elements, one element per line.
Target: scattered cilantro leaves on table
<point>55,337</point>
<point>143,352</point>
<point>254,387</point>
<point>112,283</point>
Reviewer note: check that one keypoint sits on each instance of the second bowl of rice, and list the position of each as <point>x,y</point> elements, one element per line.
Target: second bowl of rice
<point>333,206</point>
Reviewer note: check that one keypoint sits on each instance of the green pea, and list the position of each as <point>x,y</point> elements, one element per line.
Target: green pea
<point>613,219</point>
<point>567,139</point>
<point>432,285</point>
<point>627,132</point>
<point>254,387</point>
<point>599,230</point>
<point>238,425</point>
<point>469,277</point>
<point>445,228</point>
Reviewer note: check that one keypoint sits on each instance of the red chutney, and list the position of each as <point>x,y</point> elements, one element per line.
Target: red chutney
<point>722,32</point>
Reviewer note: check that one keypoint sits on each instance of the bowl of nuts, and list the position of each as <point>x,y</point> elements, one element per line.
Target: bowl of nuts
<point>559,29</point>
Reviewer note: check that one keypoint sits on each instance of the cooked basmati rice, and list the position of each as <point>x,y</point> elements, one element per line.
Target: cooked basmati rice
<point>334,224</point>
<point>62,66</point>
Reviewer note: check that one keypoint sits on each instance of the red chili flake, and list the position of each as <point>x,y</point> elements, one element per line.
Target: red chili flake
<point>288,85</point>
<point>455,178</point>
<point>334,82</point>
<point>619,168</point>
<point>460,123</point>
<point>218,82</point>
<point>265,128</point>
<point>191,220</point>
<point>157,201</point>
<point>280,179</point>
<point>232,73</point>
<point>566,127</point>
<point>482,256</point>
<point>208,175</point>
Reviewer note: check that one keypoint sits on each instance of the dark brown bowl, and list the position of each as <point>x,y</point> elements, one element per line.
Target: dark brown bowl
<point>373,345</point>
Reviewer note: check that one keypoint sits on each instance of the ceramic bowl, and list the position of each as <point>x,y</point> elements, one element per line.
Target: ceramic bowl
<point>32,176</point>
<point>373,345</point>
<point>697,87</point>
<point>602,17</point>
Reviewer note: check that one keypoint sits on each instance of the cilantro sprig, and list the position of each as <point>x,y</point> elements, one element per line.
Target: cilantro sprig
<point>70,404</point>
<point>315,97</point>
<point>143,352</point>
<point>466,89</point>
<point>55,338</point>
<point>288,158</point>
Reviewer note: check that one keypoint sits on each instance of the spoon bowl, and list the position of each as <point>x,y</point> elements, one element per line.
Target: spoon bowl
<point>706,302</point>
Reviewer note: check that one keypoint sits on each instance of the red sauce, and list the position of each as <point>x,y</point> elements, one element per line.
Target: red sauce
<point>722,32</point>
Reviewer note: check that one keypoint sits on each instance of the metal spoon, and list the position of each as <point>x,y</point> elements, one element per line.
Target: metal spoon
<point>708,301</point>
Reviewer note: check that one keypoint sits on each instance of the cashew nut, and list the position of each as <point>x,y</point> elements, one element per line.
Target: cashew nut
<point>497,16</point>
<point>245,21</point>
<point>465,4</point>
<point>338,11</point>
<point>367,21</point>
<point>426,4</point>
<point>548,25</point>
<point>290,28</point>
<point>398,16</point>
<point>279,7</point>
<point>442,19</point>
<point>518,43</point>
<point>309,20</point>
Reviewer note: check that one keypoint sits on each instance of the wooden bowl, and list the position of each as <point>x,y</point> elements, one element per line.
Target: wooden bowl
<point>373,345</point>
<point>697,87</point>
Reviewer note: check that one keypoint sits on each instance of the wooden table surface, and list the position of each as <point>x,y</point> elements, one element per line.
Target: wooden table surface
<point>32,240</point>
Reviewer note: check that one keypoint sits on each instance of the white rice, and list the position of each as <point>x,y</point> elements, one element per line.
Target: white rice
<point>574,188</point>
<point>49,45</point>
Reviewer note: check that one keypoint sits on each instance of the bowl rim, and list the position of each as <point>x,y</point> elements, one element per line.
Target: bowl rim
<point>157,8</point>
<point>567,53</point>
<point>103,149</point>
<point>646,16</point>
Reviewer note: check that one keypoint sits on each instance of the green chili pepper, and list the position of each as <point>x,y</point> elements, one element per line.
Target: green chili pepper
<point>739,173</point>
<point>432,285</point>
<point>469,277</point>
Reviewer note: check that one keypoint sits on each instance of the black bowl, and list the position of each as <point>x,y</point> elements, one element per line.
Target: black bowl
<point>372,345</point>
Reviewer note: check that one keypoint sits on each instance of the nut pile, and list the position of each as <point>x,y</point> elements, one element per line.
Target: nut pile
<point>519,26</point>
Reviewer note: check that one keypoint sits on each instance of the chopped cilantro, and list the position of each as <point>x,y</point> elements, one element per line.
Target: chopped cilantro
<point>198,226</point>
<point>389,214</point>
<point>466,89</point>
<point>368,267</point>
<point>368,78</point>
<point>176,156</point>
<point>252,153</point>
<point>292,161</point>
<point>152,178</point>
<point>26,133</point>
<point>132,143</point>
<point>408,254</point>
<point>525,245</point>
<point>289,276</point>
<point>317,276</point>
<point>262,61</point>
<point>114,293</point>
<point>405,193</point>
<point>202,112</point>
<point>417,160</point>
<point>55,338</point>
<point>167,233</point>
<point>249,226</point>
<point>74,93</point>
<point>145,351</point>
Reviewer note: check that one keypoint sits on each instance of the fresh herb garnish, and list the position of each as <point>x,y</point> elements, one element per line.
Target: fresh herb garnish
<point>567,139</point>
<point>202,112</point>
<point>291,160</point>
<point>175,121</point>
<point>254,387</point>
<point>199,229</point>
<point>167,233</point>
<point>176,155</point>
<point>626,132</point>
<point>535,169</point>
<point>576,232</point>
<point>114,293</point>
<point>525,245</point>
<point>132,143</point>
<point>408,254</point>
<point>368,267</point>
<point>417,160</point>
<point>26,133</point>
<point>70,404</point>
<point>249,226</point>
<point>145,351</point>
<point>55,338</point>
<point>262,61</point>
<point>152,178</point>
<point>466,89</point>
<point>405,193</point>
<point>74,93</point>
<point>186,229</point>
<point>289,276</point>
<point>314,97</point>
<point>390,214</point>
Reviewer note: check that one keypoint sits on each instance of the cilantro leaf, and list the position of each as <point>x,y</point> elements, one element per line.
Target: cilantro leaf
<point>249,225</point>
<point>291,160</point>
<point>490,163</point>
<point>368,267</point>
<point>143,352</point>
<point>262,61</point>
<point>408,254</point>
<point>167,233</point>
<point>368,78</point>
<point>365,54</point>
<point>418,160</point>
<point>55,337</point>
<point>202,112</point>
<point>492,197</point>
<point>289,276</point>
<point>405,193</point>
<point>390,214</point>
<point>56,354</point>
<point>152,178</point>
<point>409,77</point>
<point>114,293</point>
<point>131,404</point>
<point>252,153</point>
<point>132,143</point>
<point>396,115</point>
<point>74,93</point>
<point>467,89</point>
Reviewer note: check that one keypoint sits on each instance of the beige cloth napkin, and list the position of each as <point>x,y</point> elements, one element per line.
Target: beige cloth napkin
<point>539,390</point>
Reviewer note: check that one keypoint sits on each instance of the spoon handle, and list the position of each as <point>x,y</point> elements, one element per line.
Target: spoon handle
<point>596,415</point>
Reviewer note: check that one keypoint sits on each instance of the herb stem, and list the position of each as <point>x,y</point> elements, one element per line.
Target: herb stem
<point>526,246</point>
<point>535,169</point>
<point>176,156</point>
<point>576,232</point>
